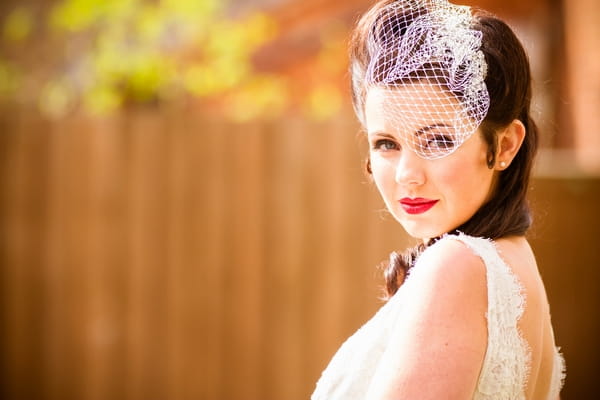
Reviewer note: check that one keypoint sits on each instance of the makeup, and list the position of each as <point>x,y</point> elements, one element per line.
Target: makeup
<point>417,205</point>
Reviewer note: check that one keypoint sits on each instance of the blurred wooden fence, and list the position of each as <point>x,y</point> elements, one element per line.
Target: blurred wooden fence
<point>173,256</point>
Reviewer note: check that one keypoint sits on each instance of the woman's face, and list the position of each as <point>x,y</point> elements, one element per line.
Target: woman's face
<point>428,197</point>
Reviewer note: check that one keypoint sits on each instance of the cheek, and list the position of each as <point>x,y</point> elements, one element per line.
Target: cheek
<point>468,181</point>
<point>383,174</point>
<point>380,167</point>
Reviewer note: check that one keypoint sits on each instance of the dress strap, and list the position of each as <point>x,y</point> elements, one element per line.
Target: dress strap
<point>507,359</point>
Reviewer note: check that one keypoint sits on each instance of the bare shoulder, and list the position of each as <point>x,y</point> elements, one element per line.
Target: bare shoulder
<point>441,335</point>
<point>450,249</point>
<point>448,277</point>
<point>517,252</point>
<point>451,263</point>
<point>519,257</point>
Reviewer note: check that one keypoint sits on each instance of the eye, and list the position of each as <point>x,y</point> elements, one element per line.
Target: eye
<point>385,145</point>
<point>439,142</point>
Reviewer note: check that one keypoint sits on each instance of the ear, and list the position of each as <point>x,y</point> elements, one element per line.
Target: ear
<point>509,143</point>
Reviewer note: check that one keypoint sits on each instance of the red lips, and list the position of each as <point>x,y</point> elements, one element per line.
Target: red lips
<point>417,205</point>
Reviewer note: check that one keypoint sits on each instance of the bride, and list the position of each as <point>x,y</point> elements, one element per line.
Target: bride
<point>444,97</point>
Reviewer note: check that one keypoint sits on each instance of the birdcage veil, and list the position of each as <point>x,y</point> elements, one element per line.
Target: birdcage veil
<point>430,43</point>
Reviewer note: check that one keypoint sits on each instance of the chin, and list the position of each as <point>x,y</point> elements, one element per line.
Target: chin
<point>423,231</point>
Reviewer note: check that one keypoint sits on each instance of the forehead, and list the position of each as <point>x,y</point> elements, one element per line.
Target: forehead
<point>408,105</point>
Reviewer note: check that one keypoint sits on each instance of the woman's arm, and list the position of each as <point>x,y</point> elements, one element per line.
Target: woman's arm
<point>440,338</point>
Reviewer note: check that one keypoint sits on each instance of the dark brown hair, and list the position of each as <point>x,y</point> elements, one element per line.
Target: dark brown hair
<point>508,81</point>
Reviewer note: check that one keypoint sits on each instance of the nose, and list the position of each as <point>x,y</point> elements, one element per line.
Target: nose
<point>410,169</point>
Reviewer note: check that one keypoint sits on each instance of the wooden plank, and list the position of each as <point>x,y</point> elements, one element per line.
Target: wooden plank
<point>105,279</point>
<point>582,41</point>
<point>286,277</point>
<point>243,262</point>
<point>19,236</point>
<point>58,351</point>
<point>178,262</point>
<point>564,238</point>
<point>326,182</point>
<point>206,374</point>
<point>146,307</point>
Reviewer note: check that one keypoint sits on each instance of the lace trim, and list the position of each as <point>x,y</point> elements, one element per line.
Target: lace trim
<point>558,374</point>
<point>507,360</point>
<point>504,373</point>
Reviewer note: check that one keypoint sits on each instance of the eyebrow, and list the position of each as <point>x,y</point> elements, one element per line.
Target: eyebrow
<point>382,134</point>
<point>431,127</point>
<point>419,132</point>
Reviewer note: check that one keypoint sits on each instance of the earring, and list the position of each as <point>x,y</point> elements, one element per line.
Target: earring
<point>502,164</point>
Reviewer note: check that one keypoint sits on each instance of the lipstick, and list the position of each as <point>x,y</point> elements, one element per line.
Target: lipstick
<point>417,205</point>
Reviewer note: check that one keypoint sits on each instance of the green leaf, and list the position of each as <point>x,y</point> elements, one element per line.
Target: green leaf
<point>10,80</point>
<point>18,25</point>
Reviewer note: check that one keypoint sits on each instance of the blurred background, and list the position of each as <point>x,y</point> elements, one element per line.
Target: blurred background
<point>184,212</point>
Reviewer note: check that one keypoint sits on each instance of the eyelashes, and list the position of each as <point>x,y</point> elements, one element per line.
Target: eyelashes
<point>384,145</point>
<point>426,143</point>
<point>440,142</point>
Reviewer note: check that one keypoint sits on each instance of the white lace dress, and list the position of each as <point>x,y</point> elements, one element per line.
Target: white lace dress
<point>506,364</point>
